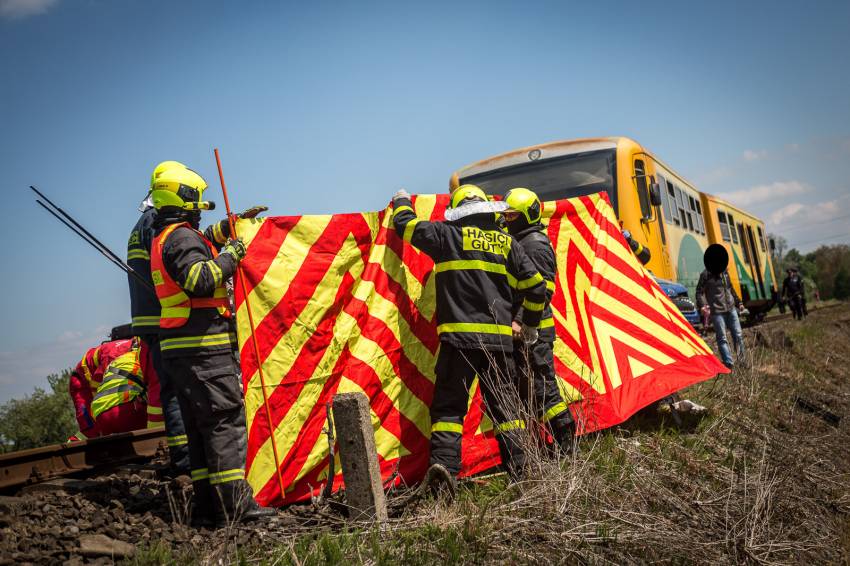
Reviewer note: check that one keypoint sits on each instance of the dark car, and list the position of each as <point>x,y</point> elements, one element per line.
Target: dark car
<point>678,294</point>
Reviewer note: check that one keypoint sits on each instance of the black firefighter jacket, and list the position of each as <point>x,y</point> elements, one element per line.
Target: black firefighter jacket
<point>538,247</point>
<point>479,269</point>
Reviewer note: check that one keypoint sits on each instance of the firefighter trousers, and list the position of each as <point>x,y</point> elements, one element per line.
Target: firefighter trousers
<point>175,431</point>
<point>455,371</point>
<point>538,387</point>
<point>210,395</point>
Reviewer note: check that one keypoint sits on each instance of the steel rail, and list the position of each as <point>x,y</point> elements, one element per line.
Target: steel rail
<point>25,467</point>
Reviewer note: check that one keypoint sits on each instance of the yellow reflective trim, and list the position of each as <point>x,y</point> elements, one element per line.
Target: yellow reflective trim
<point>555,411</point>
<point>216,272</point>
<point>218,234</point>
<point>532,306</point>
<point>547,323</point>
<point>80,436</point>
<point>401,208</point>
<point>145,321</point>
<point>138,254</point>
<point>441,426</point>
<point>220,292</point>
<point>475,327</point>
<point>200,474</point>
<point>550,285</point>
<point>154,410</point>
<point>227,476</point>
<point>219,339</point>
<point>174,300</point>
<point>510,425</point>
<point>156,276</point>
<point>530,282</point>
<point>409,228</point>
<point>179,440</point>
<point>194,274</point>
<point>465,264</point>
<point>176,312</point>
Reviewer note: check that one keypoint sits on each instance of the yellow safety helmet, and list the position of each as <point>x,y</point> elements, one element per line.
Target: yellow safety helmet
<point>162,167</point>
<point>464,192</point>
<point>180,187</point>
<point>525,202</point>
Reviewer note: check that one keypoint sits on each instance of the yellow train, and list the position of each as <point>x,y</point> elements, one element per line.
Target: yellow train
<point>659,207</point>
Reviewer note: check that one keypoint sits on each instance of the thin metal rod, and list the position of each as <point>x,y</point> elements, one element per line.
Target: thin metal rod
<point>121,265</point>
<point>78,225</point>
<point>241,277</point>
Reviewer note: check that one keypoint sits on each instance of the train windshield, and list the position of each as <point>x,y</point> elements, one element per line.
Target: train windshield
<point>568,176</point>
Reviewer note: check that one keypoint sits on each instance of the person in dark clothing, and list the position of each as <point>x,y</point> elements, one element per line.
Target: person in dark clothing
<point>198,342</point>
<point>794,291</point>
<point>145,310</point>
<point>478,269</point>
<point>536,363</point>
<point>716,295</point>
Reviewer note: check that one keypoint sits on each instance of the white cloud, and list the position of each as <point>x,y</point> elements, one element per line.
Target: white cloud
<point>765,193</point>
<point>777,217</point>
<point>754,155</point>
<point>13,9</point>
<point>810,224</point>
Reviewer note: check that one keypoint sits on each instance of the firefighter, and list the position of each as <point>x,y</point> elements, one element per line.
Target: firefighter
<point>127,393</point>
<point>144,309</point>
<point>86,378</point>
<point>537,361</point>
<point>197,340</point>
<point>477,268</point>
<point>794,291</point>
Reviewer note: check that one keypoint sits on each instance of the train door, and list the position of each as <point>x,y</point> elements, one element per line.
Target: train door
<point>649,198</point>
<point>756,264</point>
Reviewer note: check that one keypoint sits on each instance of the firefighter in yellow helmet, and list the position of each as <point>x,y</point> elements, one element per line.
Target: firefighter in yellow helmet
<point>478,270</point>
<point>145,309</point>
<point>197,341</point>
<point>536,361</point>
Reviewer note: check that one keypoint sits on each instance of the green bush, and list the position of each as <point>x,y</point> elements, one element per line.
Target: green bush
<point>45,417</point>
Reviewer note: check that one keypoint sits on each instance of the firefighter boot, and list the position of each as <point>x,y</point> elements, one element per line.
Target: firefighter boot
<point>202,505</point>
<point>564,433</point>
<point>235,503</point>
<point>440,481</point>
<point>512,453</point>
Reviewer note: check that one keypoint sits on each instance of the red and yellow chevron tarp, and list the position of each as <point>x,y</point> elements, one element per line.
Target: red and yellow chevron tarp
<point>341,304</point>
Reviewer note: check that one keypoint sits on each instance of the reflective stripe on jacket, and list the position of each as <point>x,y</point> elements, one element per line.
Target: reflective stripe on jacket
<point>190,278</point>
<point>122,383</point>
<point>95,361</point>
<point>478,270</point>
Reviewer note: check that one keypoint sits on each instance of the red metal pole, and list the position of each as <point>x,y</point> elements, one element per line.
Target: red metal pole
<point>251,323</point>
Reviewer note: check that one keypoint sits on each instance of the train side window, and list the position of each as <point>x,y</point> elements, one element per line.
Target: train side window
<point>671,196</point>
<point>724,227</point>
<point>665,199</point>
<point>700,219</point>
<point>680,203</point>
<point>732,229</point>
<point>643,191</point>
<point>761,239</point>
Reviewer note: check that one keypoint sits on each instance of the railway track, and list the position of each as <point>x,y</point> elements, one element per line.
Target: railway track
<point>18,469</point>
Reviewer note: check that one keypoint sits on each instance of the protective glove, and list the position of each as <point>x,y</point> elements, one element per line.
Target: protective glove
<point>742,310</point>
<point>252,212</point>
<point>236,249</point>
<point>399,195</point>
<point>529,335</point>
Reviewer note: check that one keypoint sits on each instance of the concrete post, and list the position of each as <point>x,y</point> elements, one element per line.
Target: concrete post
<point>364,491</point>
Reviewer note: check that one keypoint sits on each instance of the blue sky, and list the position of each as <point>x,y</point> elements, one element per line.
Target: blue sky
<point>328,107</point>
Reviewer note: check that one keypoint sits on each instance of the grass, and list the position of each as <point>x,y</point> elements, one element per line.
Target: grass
<point>757,481</point>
